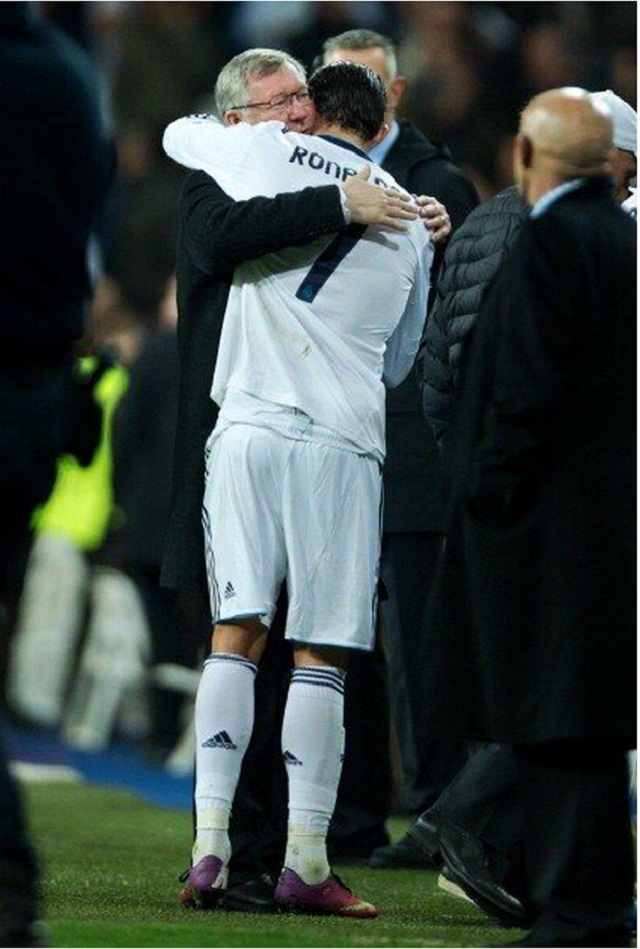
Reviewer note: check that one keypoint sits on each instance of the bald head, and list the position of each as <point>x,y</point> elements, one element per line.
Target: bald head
<point>564,134</point>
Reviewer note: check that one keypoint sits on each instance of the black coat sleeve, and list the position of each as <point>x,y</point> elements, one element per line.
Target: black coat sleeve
<point>220,233</point>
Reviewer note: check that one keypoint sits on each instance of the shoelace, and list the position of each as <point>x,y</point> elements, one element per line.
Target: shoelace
<point>343,885</point>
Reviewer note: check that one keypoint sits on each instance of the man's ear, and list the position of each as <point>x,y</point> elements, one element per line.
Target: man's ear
<point>524,148</point>
<point>395,91</point>
<point>232,117</point>
<point>384,129</point>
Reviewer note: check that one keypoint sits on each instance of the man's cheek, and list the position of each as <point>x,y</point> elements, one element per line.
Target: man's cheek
<point>309,120</point>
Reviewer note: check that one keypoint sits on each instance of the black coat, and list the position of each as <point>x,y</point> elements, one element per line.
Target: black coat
<point>412,472</point>
<point>532,630</point>
<point>216,234</point>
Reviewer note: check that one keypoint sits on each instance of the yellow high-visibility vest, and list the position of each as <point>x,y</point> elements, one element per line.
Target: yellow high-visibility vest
<point>80,507</point>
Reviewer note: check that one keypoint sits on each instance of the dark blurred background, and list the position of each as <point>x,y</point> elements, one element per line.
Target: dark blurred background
<point>470,68</point>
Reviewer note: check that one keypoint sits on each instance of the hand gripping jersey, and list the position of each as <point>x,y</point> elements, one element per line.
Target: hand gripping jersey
<point>313,327</point>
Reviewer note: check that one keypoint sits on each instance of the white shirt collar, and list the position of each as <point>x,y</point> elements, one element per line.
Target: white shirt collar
<point>380,151</point>
<point>544,203</point>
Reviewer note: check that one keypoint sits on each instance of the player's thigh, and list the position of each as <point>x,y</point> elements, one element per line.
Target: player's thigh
<point>332,529</point>
<point>244,541</point>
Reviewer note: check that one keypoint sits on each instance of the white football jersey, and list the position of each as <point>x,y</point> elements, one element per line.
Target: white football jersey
<point>313,327</point>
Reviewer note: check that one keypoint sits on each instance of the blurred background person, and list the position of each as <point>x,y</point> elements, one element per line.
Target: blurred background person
<point>88,719</point>
<point>168,56</point>
<point>68,528</point>
<point>143,433</point>
<point>55,166</point>
<point>71,525</point>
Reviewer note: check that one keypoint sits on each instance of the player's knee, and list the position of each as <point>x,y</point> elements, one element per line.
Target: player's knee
<point>321,656</point>
<point>243,637</point>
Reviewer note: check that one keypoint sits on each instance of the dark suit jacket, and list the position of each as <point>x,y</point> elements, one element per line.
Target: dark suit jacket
<point>216,234</point>
<point>532,631</point>
<point>412,473</point>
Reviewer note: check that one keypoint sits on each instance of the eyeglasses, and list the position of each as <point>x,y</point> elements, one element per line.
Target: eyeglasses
<point>279,103</point>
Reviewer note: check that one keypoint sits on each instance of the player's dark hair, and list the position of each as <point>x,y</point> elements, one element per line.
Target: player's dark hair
<point>350,95</point>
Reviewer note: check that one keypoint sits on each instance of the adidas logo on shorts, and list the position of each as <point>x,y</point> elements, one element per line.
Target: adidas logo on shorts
<point>290,758</point>
<point>221,740</point>
<point>229,591</point>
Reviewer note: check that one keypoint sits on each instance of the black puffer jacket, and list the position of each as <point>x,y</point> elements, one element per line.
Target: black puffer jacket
<point>473,257</point>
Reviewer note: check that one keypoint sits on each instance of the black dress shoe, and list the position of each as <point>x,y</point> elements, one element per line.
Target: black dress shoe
<point>403,854</point>
<point>424,834</point>
<point>468,870</point>
<point>487,895</point>
<point>252,896</point>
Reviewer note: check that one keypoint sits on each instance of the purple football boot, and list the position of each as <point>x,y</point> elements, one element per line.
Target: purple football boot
<point>205,884</point>
<point>331,898</point>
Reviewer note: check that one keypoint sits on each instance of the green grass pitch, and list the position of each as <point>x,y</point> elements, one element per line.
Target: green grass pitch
<point>110,879</point>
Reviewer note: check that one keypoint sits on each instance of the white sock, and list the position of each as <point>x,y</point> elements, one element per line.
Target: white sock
<point>223,724</point>
<point>313,746</point>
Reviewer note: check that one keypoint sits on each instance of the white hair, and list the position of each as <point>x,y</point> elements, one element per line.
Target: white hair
<point>231,86</point>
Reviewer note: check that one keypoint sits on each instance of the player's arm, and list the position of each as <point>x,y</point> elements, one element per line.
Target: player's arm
<point>202,142</point>
<point>235,156</point>
<point>403,343</point>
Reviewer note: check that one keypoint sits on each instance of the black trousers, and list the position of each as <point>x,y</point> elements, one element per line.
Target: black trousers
<point>554,819</point>
<point>408,566</point>
<point>175,621</point>
<point>365,789</point>
<point>484,800</point>
<point>577,836</point>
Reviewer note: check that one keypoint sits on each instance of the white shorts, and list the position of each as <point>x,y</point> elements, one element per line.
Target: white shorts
<point>276,508</point>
